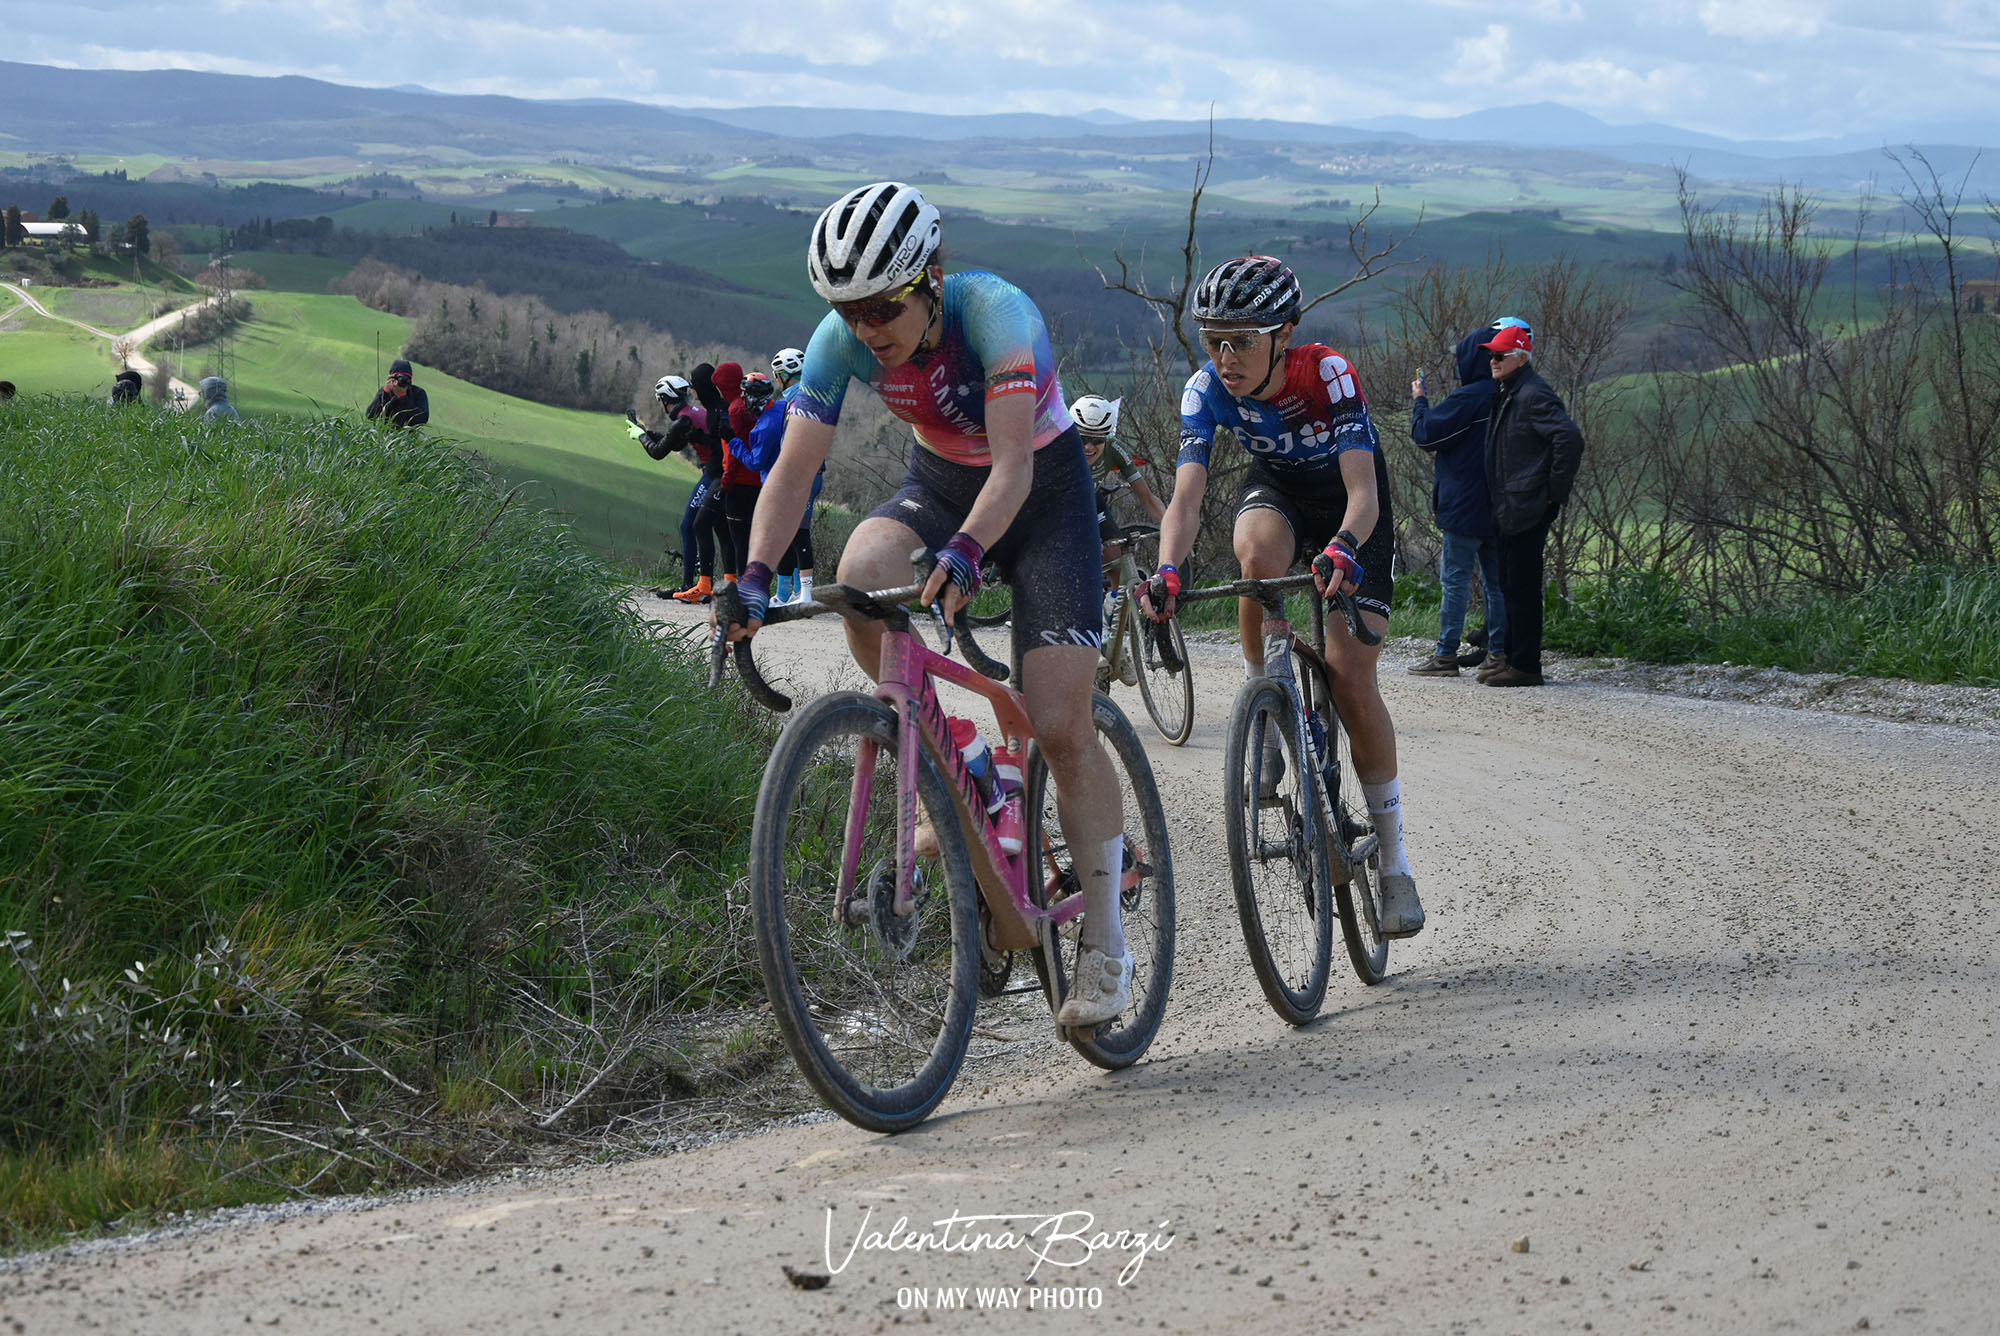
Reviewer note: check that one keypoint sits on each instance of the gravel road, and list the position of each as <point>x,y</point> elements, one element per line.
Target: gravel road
<point>1698,1039</point>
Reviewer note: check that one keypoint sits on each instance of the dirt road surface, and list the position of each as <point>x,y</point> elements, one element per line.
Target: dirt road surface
<point>1700,1038</point>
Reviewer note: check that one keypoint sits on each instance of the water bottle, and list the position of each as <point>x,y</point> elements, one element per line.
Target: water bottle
<point>978,762</point>
<point>1011,824</point>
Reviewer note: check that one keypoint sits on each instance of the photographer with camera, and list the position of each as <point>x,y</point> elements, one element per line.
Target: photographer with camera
<point>398,401</point>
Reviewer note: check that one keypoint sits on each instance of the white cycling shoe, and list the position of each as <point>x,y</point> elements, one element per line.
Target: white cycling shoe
<point>1101,990</point>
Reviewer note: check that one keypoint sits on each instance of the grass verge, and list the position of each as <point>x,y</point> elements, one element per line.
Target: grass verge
<point>354,824</point>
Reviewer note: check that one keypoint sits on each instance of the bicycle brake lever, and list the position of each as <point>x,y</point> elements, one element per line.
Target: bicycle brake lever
<point>936,611</point>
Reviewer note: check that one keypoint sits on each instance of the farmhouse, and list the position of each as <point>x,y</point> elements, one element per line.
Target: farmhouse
<point>48,234</point>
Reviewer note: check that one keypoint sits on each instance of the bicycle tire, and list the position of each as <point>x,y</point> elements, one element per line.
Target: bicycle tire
<point>878,1020</point>
<point>1360,898</point>
<point>1283,886</point>
<point>1147,906</point>
<point>1169,694</point>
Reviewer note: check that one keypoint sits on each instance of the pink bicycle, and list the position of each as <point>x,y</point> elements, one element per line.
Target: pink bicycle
<point>873,958</point>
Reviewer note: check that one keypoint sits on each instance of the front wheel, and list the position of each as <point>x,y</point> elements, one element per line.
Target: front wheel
<point>1166,678</point>
<point>1279,852</point>
<point>876,1007</point>
<point>1145,899</point>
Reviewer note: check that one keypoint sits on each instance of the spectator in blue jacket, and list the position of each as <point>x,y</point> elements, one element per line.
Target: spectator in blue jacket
<point>1454,431</point>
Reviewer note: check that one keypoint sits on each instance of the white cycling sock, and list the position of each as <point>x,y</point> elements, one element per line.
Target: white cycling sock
<point>1112,859</point>
<point>1385,809</point>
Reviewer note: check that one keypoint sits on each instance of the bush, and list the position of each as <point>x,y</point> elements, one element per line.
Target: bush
<point>332,775</point>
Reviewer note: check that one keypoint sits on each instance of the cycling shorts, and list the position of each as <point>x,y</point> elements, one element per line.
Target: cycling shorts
<point>1049,554</point>
<point>1315,513</point>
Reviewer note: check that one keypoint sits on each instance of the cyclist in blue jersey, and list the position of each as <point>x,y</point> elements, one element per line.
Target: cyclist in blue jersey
<point>1317,488</point>
<point>999,471</point>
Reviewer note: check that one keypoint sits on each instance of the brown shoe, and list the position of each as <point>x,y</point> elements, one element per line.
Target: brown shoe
<point>1510,676</point>
<point>1494,663</point>
<point>1436,665</point>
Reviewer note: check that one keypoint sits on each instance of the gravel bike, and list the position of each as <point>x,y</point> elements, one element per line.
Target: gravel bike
<point>874,959</point>
<point>1154,652</point>
<point>1301,844</point>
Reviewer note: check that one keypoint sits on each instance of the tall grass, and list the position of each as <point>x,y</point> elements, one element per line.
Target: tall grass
<point>1929,624</point>
<point>329,773</point>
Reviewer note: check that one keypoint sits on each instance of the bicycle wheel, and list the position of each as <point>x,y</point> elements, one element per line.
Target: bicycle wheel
<point>1361,896</point>
<point>1279,855</point>
<point>1166,677</point>
<point>878,1010</point>
<point>1146,902</point>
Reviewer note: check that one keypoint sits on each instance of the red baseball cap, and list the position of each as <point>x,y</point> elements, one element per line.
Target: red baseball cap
<point>1509,340</point>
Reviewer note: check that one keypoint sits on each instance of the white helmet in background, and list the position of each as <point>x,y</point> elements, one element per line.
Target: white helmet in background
<point>1095,415</point>
<point>673,390</point>
<point>788,363</point>
<point>872,240</point>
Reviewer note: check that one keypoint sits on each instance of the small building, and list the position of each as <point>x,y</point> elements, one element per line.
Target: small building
<point>50,234</point>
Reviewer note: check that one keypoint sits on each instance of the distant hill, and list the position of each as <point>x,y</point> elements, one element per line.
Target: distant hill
<point>185,114</point>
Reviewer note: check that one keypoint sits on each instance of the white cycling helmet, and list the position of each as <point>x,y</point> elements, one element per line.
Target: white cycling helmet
<point>1095,416</point>
<point>673,390</point>
<point>872,240</point>
<point>788,362</point>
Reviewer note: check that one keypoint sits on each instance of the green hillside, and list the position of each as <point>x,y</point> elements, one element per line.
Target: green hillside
<point>308,354</point>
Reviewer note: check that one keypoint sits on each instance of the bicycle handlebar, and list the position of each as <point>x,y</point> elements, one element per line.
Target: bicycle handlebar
<point>1270,592</point>
<point>860,605</point>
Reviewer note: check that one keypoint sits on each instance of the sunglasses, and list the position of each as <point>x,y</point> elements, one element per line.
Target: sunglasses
<point>1241,342</point>
<point>880,309</point>
<point>1500,357</point>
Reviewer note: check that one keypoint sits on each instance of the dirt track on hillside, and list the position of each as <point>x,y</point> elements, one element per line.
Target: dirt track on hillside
<point>1699,1038</point>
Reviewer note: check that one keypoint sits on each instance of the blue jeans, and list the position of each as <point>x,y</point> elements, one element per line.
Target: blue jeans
<point>1464,556</point>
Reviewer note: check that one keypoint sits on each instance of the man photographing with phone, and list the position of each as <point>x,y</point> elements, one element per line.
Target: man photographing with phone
<point>401,403</point>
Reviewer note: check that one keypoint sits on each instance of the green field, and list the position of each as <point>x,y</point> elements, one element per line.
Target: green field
<point>286,272</point>
<point>305,353</point>
<point>310,354</point>
<point>44,356</point>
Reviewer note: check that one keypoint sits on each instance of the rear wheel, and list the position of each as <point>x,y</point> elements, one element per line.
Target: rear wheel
<point>1166,678</point>
<point>1146,900</point>
<point>876,1007</point>
<point>1279,853</point>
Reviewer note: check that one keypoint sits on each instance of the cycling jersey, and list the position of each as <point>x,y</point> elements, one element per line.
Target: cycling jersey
<point>1115,468</point>
<point>990,341</point>
<point>1318,415</point>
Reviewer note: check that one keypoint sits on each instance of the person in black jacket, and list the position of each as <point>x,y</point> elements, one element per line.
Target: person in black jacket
<point>1533,450</point>
<point>1454,431</point>
<point>399,402</point>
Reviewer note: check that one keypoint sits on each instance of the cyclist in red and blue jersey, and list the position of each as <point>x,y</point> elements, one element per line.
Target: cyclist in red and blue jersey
<point>1317,489</point>
<point>998,472</point>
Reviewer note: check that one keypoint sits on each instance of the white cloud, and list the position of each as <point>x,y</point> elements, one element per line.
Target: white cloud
<point>1762,20</point>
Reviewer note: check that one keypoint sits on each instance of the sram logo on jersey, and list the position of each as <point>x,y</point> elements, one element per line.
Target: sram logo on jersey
<point>1016,383</point>
<point>1337,374</point>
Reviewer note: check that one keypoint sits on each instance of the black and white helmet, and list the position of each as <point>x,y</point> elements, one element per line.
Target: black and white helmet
<point>1095,416</point>
<point>872,240</point>
<point>788,362</point>
<point>673,390</point>
<point>1248,290</point>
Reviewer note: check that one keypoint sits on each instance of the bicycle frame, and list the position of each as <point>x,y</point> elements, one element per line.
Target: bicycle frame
<point>1279,643</point>
<point>906,684</point>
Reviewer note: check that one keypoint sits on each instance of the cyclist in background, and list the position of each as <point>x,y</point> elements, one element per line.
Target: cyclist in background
<point>1316,488</point>
<point>1113,470</point>
<point>998,468</point>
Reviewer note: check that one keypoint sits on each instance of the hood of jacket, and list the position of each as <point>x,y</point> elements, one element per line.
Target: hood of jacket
<point>729,381</point>
<point>214,389</point>
<point>1473,363</point>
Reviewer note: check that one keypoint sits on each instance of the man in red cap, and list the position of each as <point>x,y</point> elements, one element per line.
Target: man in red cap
<point>1532,453</point>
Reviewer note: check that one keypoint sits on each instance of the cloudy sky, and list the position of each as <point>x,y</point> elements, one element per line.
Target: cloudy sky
<point>1741,68</point>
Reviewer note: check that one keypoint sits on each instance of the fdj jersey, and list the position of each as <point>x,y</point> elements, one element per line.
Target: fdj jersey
<point>990,340</point>
<point>1318,415</point>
